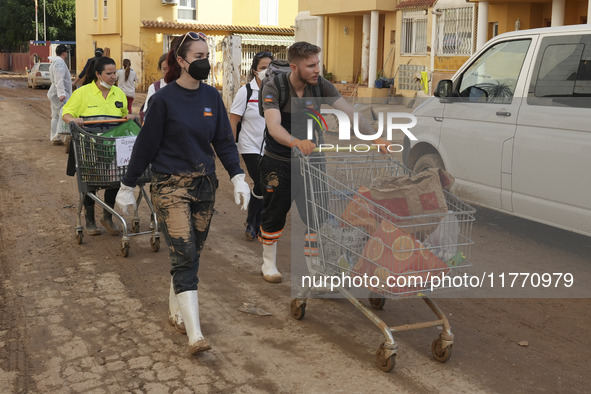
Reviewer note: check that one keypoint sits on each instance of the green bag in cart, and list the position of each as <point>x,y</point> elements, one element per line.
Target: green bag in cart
<point>126,129</point>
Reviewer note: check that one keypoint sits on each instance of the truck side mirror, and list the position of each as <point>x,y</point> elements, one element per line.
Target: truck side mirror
<point>444,88</point>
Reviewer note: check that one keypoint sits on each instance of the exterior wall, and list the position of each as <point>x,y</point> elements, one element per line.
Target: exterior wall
<point>573,12</point>
<point>288,9</point>
<point>532,15</point>
<point>154,10</point>
<point>521,11</point>
<point>152,44</point>
<point>449,63</point>
<point>537,15</point>
<point>497,13</point>
<point>342,38</point>
<point>422,60</point>
<point>342,52</point>
<point>337,7</point>
<point>389,45</point>
<point>247,12</point>
<point>14,61</point>
<point>84,47</point>
<point>218,12</point>
<point>105,32</point>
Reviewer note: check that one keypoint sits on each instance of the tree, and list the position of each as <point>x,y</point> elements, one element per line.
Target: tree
<point>18,22</point>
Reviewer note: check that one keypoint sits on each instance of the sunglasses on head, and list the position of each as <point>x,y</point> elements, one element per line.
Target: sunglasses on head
<point>263,54</point>
<point>193,36</point>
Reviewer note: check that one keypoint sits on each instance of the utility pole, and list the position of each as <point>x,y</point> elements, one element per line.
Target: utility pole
<point>36,23</point>
<point>44,23</point>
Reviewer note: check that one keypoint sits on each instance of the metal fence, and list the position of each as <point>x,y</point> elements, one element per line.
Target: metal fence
<point>248,52</point>
<point>215,56</point>
<point>454,32</point>
<point>217,61</point>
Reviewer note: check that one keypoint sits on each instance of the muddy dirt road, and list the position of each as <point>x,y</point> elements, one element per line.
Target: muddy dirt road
<point>81,318</point>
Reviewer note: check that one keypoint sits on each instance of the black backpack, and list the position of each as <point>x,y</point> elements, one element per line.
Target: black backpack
<point>277,71</point>
<point>248,94</point>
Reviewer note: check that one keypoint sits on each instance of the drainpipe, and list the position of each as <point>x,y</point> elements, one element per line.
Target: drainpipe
<point>435,14</point>
<point>121,31</point>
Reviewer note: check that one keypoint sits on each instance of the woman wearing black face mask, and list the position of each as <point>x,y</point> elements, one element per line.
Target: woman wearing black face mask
<point>186,123</point>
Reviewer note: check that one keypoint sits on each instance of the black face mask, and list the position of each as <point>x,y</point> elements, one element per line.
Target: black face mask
<point>199,69</point>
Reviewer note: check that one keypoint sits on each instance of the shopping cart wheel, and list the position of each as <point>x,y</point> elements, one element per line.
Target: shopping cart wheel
<point>79,237</point>
<point>385,364</point>
<point>298,311</point>
<point>135,226</point>
<point>376,301</point>
<point>124,248</point>
<point>441,355</point>
<point>155,243</point>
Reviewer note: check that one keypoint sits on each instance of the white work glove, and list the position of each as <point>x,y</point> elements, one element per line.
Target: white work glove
<point>125,198</point>
<point>241,190</point>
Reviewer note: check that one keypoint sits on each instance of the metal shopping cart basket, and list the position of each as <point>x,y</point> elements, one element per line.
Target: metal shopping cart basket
<point>96,169</point>
<point>351,236</point>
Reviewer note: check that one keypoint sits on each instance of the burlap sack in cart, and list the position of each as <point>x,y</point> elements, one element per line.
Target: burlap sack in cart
<point>410,198</point>
<point>359,212</point>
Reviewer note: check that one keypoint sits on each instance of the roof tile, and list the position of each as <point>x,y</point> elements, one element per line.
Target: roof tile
<point>228,28</point>
<point>415,4</point>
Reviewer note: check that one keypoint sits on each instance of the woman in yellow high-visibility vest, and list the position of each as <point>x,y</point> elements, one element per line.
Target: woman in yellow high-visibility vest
<point>98,97</point>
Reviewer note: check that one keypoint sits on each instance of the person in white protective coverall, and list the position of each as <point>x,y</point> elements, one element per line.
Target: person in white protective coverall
<point>59,92</point>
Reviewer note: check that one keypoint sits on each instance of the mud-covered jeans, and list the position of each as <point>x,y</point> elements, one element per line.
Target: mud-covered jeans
<point>276,180</point>
<point>184,207</point>
<point>282,183</point>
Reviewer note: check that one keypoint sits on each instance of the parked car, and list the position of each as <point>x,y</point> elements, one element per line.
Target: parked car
<point>513,127</point>
<point>38,76</point>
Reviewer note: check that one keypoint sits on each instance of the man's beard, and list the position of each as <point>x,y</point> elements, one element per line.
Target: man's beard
<point>301,79</point>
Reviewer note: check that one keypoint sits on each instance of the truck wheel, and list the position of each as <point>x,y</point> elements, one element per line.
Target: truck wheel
<point>430,160</point>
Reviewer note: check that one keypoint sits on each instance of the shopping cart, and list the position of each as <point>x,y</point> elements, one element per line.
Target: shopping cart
<point>96,169</point>
<point>351,237</point>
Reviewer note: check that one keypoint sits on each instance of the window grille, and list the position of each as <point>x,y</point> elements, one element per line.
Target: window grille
<point>454,32</point>
<point>414,33</point>
<point>248,52</point>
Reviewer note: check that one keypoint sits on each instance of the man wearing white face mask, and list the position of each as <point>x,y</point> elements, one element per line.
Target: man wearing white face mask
<point>245,111</point>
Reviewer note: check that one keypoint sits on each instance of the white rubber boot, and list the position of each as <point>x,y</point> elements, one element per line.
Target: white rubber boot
<point>189,306</point>
<point>269,268</point>
<point>174,313</point>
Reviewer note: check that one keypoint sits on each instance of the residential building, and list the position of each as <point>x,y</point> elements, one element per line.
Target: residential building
<point>142,30</point>
<point>399,39</point>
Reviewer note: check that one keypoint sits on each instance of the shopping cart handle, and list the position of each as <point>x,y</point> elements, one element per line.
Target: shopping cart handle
<point>337,149</point>
<point>105,121</point>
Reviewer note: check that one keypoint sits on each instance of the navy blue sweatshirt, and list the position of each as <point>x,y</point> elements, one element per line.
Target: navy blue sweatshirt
<point>180,128</point>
